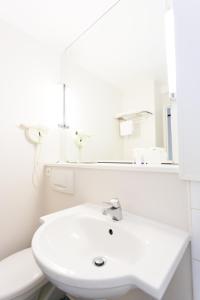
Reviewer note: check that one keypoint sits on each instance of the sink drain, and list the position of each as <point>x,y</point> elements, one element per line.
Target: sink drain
<point>99,261</point>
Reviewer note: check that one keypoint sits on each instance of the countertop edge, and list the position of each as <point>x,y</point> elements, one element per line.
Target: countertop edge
<point>119,167</point>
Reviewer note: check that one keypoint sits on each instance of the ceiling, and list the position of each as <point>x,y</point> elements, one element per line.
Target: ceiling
<point>126,44</point>
<point>54,22</point>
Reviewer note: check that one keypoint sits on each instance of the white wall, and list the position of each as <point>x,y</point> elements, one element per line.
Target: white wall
<point>92,105</point>
<point>160,196</point>
<point>139,96</point>
<point>187,22</point>
<point>28,75</point>
<point>144,95</point>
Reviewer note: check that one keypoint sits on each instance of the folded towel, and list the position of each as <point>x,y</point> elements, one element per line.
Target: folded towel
<point>126,127</point>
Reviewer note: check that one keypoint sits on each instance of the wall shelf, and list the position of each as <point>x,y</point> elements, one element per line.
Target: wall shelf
<point>135,115</point>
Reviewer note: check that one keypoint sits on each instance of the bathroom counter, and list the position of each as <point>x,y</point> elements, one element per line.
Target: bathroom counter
<point>119,166</point>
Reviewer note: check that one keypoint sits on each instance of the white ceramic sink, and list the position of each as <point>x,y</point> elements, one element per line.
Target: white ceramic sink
<point>136,252</point>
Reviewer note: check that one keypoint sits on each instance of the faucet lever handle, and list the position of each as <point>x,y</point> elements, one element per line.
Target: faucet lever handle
<point>114,202</point>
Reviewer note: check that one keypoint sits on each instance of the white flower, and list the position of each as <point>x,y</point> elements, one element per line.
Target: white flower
<point>80,139</point>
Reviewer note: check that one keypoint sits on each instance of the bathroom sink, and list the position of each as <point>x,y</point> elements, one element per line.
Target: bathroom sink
<point>88,255</point>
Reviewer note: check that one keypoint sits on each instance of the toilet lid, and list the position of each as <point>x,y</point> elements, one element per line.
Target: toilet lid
<point>19,273</point>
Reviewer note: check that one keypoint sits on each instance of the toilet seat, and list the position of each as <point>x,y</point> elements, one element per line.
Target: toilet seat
<point>19,275</point>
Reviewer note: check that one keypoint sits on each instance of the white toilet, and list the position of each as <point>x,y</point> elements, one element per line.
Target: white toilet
<point>20,277</point>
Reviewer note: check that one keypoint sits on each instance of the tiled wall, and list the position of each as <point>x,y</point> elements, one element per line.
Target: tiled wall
<point>195,205</point>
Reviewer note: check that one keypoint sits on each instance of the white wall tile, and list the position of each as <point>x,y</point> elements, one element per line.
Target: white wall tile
<point>196,279</point>
<point>195,194</point>
<point>196,234</point>
<point>159,196</point>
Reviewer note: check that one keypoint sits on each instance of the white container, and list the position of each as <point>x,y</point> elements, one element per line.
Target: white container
<point>152,156</point>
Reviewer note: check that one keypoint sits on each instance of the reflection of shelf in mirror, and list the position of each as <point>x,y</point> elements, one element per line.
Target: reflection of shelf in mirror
<point>136,115</point>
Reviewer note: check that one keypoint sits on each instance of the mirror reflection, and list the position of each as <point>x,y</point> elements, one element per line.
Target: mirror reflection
<point>119,106</point>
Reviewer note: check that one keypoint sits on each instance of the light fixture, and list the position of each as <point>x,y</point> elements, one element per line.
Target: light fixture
<point>170,51</point>
<point>64,125</point>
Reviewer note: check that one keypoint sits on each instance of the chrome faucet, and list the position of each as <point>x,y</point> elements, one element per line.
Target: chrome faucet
<point>115,210</point>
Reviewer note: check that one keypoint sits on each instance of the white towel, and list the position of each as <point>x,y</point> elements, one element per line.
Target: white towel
<point>126,127</point>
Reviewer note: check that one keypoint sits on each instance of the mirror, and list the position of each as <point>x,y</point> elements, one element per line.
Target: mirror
<point>118,106</point>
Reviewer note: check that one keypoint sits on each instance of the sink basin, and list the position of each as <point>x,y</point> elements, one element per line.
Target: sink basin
<point>88,255</point>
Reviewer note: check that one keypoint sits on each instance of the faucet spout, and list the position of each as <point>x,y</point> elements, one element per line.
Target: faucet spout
<point>115,210</point>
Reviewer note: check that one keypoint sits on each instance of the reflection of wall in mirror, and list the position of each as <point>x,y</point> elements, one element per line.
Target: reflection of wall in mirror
<point>171,131</point>
<point>145,95</point>
<point>93,105</point>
